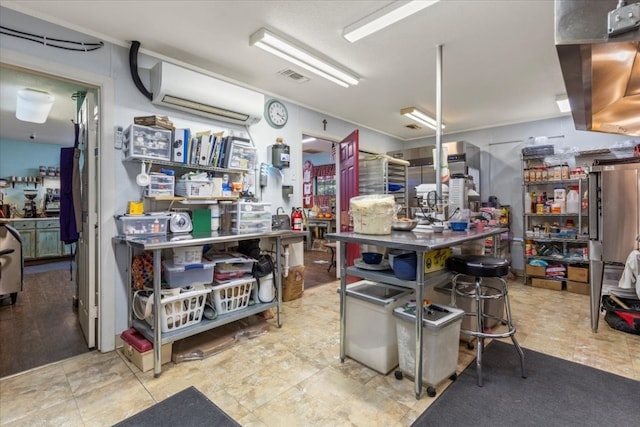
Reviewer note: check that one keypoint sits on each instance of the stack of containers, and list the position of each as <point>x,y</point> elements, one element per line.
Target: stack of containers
<point>187,268</point>
<point>233,282</point>
<point>251,217</point>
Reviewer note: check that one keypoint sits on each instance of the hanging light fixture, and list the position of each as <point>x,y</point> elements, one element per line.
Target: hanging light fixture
<point>416,115</point>
<point>33,105</point>
<point>294,53</point>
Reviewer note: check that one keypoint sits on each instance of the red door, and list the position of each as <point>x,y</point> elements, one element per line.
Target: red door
<point>349,187</point>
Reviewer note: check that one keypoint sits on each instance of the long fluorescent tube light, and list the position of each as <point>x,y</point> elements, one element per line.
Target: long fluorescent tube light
<point>288,50</point>
<point>308,139</point>
<point>414,114</point>
<point>563,103</point>
<point>382,18</point>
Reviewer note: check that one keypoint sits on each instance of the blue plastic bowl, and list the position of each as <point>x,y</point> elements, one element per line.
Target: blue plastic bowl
<point>458,226</point>
<point>405,266</point>
<point>371,258</point>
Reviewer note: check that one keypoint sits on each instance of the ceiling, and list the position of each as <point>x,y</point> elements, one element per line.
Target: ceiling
<point>499,59</point>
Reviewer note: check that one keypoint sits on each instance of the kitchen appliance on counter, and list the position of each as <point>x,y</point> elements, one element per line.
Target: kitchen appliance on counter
<point>614,220</point>
<point>462,158</point>
<point>30,206</point>
<point>52,202</point>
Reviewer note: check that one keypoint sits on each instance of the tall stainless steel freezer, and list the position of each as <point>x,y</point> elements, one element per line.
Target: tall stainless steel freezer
<point>462,158</point>
<point>614,220</point>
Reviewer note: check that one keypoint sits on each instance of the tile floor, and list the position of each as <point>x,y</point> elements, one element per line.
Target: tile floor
<point>293,376</point>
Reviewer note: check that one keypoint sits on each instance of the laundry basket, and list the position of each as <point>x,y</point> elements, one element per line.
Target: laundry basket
<point>178,311</point>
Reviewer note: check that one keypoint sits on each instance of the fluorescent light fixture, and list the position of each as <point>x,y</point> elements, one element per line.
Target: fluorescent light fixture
<point>382,18</point>
<point>297,55</point>
<point>308,139</point>
<point>414,114</point>
<point>33,105</point>
<point>563,103</point>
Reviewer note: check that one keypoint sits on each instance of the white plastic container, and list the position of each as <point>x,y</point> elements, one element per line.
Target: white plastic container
<point>187,275</point>
<point>188,255</point>
<point>370,327</point>
<point>560,198</point>
<point>440,336</point>
<point>372,214</point>
<point>573,202</point>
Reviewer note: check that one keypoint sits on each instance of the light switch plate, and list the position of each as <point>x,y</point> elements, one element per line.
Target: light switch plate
<point>118,137</point>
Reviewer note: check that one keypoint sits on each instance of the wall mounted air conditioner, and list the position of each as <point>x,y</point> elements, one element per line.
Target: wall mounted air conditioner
<point>197,93</point>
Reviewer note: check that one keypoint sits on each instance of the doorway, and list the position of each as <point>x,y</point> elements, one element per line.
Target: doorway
<point>319,204</point>
<point>43,326</point>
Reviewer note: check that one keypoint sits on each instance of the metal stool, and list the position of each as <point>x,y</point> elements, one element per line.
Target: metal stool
<point>484,267</point>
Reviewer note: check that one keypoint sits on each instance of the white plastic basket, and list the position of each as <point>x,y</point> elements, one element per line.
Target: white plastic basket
<point>232,296</point>
<point>178,311</point>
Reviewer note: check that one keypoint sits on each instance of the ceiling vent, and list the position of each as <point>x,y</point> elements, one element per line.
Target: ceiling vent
<point>293,75</point>
<point>414,126</point>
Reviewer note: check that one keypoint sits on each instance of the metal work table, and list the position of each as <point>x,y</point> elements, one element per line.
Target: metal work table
<point>170,241</point>
<point>420,242</point>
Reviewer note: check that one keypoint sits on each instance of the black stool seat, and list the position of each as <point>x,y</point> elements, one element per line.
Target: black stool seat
<point>494,269</point>
<point>478,265</point>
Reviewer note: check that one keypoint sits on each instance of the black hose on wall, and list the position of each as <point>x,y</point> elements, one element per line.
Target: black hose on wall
<point>133,67</point>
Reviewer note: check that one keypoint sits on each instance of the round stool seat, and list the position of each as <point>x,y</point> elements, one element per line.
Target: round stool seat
<point>478,265</point>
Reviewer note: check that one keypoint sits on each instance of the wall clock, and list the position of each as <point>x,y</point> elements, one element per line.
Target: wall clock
<point>276,114</point>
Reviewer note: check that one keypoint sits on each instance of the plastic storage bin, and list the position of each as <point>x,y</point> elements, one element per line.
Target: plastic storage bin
<point>370,329</point>
<point>440,333</point>
<point>251,217</point>
<point>232,296</point>
<point>187,275</point>
<point>194,188</point>
<point>188,255</point>
<point>160,185</point>
<point>372,214</point>
<point>133,225</point>
<point>143,142</point>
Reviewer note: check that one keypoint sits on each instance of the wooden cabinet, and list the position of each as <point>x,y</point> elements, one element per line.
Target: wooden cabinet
<point>41,238</point>
<point>48,239</point>
<point>27,230</point>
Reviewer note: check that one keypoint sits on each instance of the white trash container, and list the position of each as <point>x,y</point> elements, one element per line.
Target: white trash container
<point>370,327</point>
<point>440,337</point>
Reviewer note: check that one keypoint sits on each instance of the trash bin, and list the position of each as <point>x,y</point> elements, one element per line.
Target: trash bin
<point>440,333</point>
<point>492,307</point>
<point>370,336</point>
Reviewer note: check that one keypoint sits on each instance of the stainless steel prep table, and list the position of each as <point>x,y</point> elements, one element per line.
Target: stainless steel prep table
<point>170,241</point>
<point>419,242</point>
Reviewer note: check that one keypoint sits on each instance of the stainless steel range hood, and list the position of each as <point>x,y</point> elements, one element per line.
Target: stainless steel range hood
<point>600,60</point>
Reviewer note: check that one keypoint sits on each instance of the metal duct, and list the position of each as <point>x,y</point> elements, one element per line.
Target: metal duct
<point>598,45</point>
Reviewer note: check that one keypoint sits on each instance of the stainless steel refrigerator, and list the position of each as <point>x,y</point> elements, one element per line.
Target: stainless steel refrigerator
<point>614,220</point>
<point>462,158</point>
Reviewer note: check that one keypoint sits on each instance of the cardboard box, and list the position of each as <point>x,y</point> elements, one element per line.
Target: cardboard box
<point>144,361</point>
<point>578,287</point>
<point>436,260</point>
<point>535,270</point>
<point>293,284</point>
<point>578,274</point>
<point>554,285</point>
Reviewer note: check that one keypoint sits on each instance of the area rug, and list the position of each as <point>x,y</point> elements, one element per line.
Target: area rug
<point>187,408</point>
<point>556,392</point>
